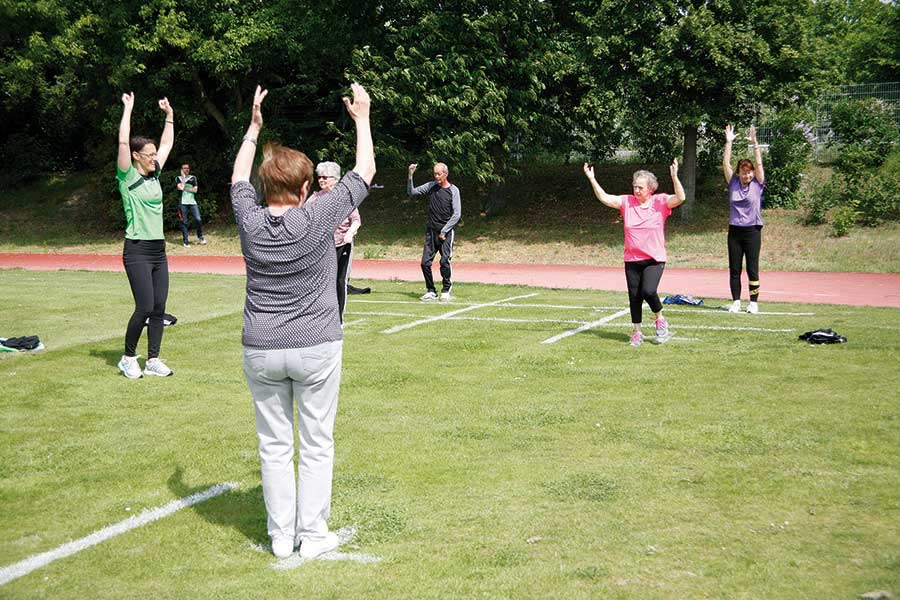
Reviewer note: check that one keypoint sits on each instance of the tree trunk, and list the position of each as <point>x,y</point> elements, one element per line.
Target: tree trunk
<point>688,171</point>
<point>211,109</point>
<point>496,199</point>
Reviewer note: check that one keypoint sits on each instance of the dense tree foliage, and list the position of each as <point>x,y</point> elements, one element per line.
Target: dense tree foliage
<point>480,84</point>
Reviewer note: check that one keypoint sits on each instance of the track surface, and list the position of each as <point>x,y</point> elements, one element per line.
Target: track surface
<point>854,289</point>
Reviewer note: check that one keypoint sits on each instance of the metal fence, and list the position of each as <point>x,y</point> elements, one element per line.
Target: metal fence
<point>889,93</point>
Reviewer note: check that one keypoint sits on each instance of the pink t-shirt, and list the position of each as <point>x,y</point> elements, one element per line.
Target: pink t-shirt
<point>644,227</point>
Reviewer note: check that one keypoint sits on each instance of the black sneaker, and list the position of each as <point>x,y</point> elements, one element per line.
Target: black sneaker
<point>355,290</point>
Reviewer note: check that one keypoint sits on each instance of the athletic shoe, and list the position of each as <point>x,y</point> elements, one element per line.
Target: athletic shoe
<point>753,308</point>
<point>282,546</point>
<point>157,367</point>
<point>445,297</point>
<point>202,241</point>
<point>662,330</point>
<point>130,367</point>
<point>735,307</point>
<point>310,548</point>
<point>355,290</point>
<point>186,244</point>
<point>637,338</point>
<point>428,297</point>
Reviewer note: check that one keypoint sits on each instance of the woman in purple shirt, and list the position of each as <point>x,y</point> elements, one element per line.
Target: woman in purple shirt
<point>745,190</point>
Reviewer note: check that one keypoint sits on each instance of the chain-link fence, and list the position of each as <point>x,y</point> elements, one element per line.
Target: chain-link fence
<point>889,93</point>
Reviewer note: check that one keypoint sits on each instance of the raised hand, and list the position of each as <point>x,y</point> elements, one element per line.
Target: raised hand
<point>165,106</point>
<point>128,99</point>
<point>412,168</point>
<point>751,135</point>
<point>673,169</point>
<point>256,117</point>
<point>359,108</point>
<point>589,170</point>
<point>730,135</point>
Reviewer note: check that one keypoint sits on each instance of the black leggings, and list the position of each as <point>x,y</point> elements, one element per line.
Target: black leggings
<point>744,241</point>
<point>344,253</point>
<point>148,274</point>
<point>643,278</point>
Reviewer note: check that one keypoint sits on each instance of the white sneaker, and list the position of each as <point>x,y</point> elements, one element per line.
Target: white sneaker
<point>735,307</point>
<point>310,548</point>
<point>445,297</point>
<point>428,297</point>
<point>130,367</point>
<point>202,241</point>
<point>282,546</point>
<point>753,308</point>
<point>157,367</point>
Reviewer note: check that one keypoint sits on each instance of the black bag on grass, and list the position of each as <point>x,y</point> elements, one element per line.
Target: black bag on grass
<point>823,336</point>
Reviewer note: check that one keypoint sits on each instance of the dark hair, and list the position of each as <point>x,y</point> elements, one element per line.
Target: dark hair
<point>744,162</point>
<point>137,142</point>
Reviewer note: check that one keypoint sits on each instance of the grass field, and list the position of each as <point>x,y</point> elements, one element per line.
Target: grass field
<point>473,460</point>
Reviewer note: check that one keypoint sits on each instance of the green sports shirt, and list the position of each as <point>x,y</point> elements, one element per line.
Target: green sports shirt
<point>142,199</point>
<point>189,182</point>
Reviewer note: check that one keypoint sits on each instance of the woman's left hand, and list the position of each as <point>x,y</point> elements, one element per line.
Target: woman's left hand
<point>166,107</point>
<point>673,169</point>
<point>752,135</point>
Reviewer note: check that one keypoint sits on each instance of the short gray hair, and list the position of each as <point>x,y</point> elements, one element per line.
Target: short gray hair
<point>329,169</point>
<point>650,178</point>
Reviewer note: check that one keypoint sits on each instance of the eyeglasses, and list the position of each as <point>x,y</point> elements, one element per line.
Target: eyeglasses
<point>327,177</point>
<point>150,155</point>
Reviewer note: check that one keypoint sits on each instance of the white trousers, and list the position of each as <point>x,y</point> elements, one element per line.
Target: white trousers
<point>298,505</point>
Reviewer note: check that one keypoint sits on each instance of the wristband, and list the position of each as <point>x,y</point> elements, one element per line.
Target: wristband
<point>168,121</point>
<point>249,139</point>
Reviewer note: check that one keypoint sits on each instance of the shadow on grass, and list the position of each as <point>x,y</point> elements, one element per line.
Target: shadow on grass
<point>614,336</point>
<point>242,509</point>
<point>111,357</point>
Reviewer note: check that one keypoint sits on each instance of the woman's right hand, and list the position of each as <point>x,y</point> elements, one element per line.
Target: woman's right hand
<point>589,171</point>
<point>730,135</point>
<point>256,117</point>
<point>412,168</point>
<point>359,108</point>
<point>128,99</point>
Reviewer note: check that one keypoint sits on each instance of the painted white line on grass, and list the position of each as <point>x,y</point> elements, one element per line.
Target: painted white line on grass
<point>712,327</point>
<point>723,311</point>
<point>28,565</point>
<point>585,327</point>
<point>451,314</point>
<point>351,323</point>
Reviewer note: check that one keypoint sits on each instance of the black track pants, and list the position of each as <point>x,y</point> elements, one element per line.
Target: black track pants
<point>744,241</point>
<point>148,274</point>
<point>643,281</point>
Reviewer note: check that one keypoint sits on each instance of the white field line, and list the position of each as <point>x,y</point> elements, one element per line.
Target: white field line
<point>356,322</point>
<point>452,313</point>
<point>37,561</point>
<point>720,311</point>
<point>346,535</point>
<point>585,327</point>
<point>587,324</point>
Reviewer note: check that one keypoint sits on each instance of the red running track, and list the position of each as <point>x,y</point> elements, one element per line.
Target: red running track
<point>855,289</point>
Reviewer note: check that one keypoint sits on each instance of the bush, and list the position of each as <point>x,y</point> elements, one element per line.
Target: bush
<point>819,197</point>
<point>788,156</point>
<point>865,134</point>
<point>843,219</point>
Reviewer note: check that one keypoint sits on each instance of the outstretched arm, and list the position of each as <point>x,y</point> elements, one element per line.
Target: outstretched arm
<point>243,163</point>
<point>607,199</point>
<point>726,156</point>
<point>123,157</point>
<point>365,150</point>
<point>757,157</point>
<point>678,197</point>
<point>167,140</point>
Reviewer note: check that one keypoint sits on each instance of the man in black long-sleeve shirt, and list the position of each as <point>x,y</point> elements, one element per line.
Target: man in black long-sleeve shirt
<point>444,210</point>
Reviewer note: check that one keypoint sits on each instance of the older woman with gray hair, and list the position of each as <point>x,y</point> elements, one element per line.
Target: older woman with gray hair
<point>644,214</point>
<point>328,174</point>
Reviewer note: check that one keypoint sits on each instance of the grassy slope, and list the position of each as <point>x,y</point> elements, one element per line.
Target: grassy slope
<point>743,465</point>
<point>551,217</point>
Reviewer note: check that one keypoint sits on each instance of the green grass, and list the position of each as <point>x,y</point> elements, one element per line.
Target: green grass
<point>551,217</point>
<point>474,460</point>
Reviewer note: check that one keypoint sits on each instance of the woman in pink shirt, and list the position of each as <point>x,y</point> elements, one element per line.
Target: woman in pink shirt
<point>644,214</point>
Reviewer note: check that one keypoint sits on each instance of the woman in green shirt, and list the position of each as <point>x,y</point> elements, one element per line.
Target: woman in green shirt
<point>137,170</point>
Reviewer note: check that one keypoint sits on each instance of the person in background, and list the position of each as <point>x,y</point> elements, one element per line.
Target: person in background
<point>644,215</point>
<point>187,185</point>
<point>745,191</point>
<point>138,164</point>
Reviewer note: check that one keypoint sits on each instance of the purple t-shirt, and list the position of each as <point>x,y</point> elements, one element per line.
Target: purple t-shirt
<point>746,202</point>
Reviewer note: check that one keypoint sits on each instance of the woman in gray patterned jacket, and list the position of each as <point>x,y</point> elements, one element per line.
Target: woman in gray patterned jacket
<point>292,333</point>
